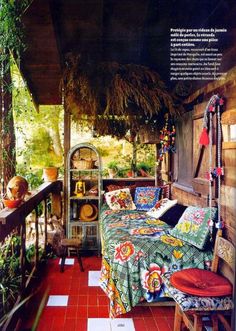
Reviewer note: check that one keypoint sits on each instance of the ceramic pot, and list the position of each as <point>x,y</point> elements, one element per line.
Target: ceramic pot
<point>50,174</point>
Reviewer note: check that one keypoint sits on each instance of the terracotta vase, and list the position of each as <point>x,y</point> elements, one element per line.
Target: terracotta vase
<point>143,173</point>
<point>50,174</point>
<point>130,173</point>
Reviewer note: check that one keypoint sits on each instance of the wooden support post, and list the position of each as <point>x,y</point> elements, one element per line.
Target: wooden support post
<point>165,167</point>
<point>45,215</point>
<point>56,204</point>
<point>67,127</point>
<point>23,255</point>
<point>36,238</point>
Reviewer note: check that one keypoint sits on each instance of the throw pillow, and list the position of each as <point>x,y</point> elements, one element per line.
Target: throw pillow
<point>193,226</point>
<point>113,187</point>
<point>146,197</point>
<point>172,215</point>
<point>120,200</point>
<point>161,207</point>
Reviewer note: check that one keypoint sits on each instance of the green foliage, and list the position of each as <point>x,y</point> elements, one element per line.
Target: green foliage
<point>102,151</point>
<point>144,166</point>
<point>10,271</point>
<point>33,177</point>
<point>11,27</point>
<point>38,133</point>
<point>41,146</point>
<point>113,165</point>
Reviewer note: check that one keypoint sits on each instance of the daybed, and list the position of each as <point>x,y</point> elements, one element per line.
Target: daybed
<point>138,248</point>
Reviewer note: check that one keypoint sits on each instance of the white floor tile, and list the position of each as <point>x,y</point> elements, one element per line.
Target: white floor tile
<point>106,324</point>
<point>68,261</point>
<point>122,324</point>
<point>99,324</point>
<point>93,279</point>
<point>57,301</point>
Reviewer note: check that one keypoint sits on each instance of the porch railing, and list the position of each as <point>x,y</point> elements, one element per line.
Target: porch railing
<point>15,220</point>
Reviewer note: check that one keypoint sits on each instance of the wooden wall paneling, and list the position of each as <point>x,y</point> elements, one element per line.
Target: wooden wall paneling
<point>181,189</point>
<point>184,137</point>
<point>229,163</point>
<point>165,167</point>
<point>201,154</point>
<point>219,86</point>
<point>228,212</point>
<point>188,198</point>
<point>229,116</point>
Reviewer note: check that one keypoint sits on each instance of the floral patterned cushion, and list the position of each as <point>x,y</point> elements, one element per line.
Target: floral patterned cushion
<point>161,207</point>
<point>192,302</point>
<point>120,200</point>
<point>113,187</point>
<point>146,197</point>
<point>193,226</point>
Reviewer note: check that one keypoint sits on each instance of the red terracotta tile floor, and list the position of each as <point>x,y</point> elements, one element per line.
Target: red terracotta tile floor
<point>90,302</point>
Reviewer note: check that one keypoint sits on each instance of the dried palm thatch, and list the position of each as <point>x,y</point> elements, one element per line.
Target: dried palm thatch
<point>113,98</point>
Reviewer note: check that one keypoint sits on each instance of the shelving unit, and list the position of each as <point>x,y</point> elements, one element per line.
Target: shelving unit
<point>84,176</point>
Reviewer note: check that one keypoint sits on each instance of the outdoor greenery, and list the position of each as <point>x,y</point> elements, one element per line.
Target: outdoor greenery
<point>122,163</point>
<point>38,133</point>
<point>10,272</point>
<point>39,138</point>
<point>11,28</point>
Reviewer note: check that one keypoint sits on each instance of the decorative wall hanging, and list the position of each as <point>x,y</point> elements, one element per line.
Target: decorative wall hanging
<point>214,106</point>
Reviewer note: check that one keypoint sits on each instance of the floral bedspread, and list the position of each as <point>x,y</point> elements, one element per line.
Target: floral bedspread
<point>137,250</point>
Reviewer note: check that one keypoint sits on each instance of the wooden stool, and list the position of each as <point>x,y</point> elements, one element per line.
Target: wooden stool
<point>70,243</point>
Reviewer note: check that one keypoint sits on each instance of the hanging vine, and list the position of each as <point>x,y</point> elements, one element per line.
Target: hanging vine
<point>11,27</point>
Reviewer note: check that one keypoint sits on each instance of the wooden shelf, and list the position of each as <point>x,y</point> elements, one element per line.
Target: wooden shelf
<point>80,222</point>
<point>129,179</point>
<point>85,197</point>
<point>81,170</point>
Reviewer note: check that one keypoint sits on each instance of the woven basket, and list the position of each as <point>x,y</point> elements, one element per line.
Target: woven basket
<point>83,164</point>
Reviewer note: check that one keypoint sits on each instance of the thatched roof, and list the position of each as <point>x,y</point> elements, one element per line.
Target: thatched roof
<point>114,98</point>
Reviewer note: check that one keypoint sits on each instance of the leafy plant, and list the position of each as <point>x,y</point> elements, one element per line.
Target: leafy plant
<point>113,165</point>
<point>144,166</point>
<point>7,315</point>
<point>33,177</point>
<point>10,271</point>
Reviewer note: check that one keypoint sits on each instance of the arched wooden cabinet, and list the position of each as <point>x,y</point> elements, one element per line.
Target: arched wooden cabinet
<point>84,187</point>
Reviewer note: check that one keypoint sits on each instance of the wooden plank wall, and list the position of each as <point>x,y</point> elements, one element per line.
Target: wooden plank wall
<point>196,195</point>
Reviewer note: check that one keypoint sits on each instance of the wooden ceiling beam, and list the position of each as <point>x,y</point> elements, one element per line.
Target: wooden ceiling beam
<point>53,7</point>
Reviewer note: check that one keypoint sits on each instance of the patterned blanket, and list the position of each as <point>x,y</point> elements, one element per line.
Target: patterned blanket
<point>137,250</point>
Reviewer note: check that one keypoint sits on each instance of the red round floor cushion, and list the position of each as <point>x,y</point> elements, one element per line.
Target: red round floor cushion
<point>201,283</point>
